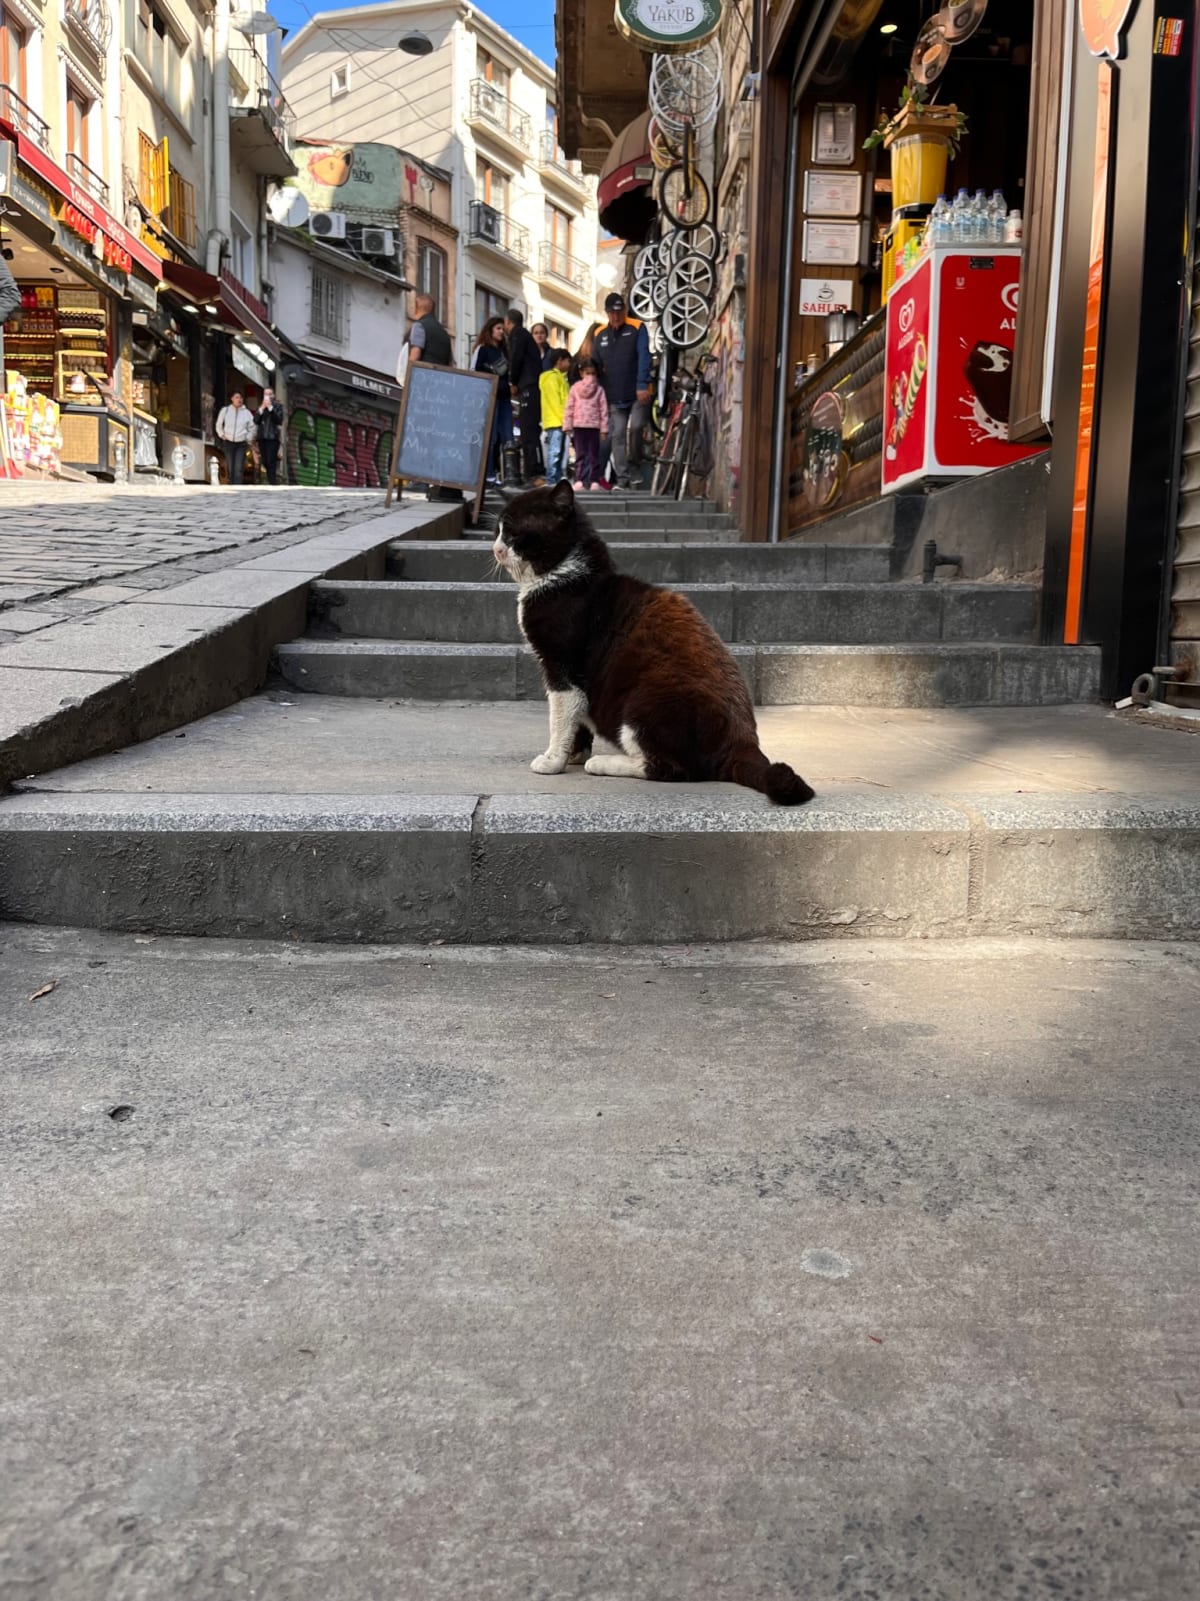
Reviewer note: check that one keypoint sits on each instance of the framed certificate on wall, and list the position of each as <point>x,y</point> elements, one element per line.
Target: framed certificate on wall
<point>832,244</point>
<point>834,127</point>
<point>833,194</point>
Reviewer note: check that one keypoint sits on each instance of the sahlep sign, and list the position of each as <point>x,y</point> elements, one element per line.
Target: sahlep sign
<point>668,25</point>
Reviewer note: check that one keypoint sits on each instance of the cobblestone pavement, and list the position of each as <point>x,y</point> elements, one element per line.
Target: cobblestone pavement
<point>67,549</point>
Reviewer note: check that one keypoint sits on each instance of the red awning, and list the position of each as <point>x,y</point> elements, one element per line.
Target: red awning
<point>36,159</point>
<point>203,289</point>
<point>623,194</point>
<point>348,373</point>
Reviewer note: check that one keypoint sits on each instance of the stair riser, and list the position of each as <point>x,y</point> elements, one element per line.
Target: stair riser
<point>681,564</point>
<point>479,613</point>
<point>822,676</point>
<point>496,872</point>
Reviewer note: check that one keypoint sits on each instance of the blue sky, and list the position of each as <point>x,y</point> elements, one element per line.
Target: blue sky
<point>530,21</point>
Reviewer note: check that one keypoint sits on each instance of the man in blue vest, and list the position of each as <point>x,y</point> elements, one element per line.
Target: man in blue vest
<point>621,351</point>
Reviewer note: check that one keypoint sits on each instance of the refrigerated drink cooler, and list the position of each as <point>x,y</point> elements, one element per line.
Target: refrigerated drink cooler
<point>951,326</point>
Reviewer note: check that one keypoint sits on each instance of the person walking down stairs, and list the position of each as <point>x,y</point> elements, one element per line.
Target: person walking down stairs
<point>585,421</point>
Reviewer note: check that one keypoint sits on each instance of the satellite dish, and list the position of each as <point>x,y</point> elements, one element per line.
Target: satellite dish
<point>251,22</point>
<point>288,208</point>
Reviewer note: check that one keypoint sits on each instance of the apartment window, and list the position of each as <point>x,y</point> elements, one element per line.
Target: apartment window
<point>241,253</point>
<point>558,230</point>
<point>159,50</point>
<point>183,209</point>
<point>339,81</point>
<point>492,185</point>
<point>489,303</point>
<point>78,107</point>
<point>153,170</point>
<point>431,272</point>
<point>14,42</point>
<point>327,313</point>
<point>496,73</point>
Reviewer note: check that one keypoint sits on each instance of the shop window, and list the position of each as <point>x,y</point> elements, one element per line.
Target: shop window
<point>183,210</point>
<point>431,272</point>
<point>339,81</point>
<point>327,312</point>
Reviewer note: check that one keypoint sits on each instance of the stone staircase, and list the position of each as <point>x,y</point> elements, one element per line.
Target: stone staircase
<point>809,624</point>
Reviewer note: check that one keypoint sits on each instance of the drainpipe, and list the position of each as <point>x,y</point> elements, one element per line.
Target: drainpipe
<point>808,53</point>
<point>219,234</point>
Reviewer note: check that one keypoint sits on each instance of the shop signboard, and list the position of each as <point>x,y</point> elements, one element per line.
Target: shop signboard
<point>820,296</point>
<point>83,254</point>
<point>1102,22</point>
<point>141,293</point>
<point>668,26</point>
<point>951,328</point>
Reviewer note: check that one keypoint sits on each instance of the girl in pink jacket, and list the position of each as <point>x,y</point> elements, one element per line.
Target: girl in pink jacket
<point>586,419</point>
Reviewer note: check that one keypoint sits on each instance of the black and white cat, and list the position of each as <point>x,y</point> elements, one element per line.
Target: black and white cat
<point>623,659</point>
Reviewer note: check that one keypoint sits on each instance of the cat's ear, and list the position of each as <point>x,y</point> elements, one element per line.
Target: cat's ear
<point>564,495</point>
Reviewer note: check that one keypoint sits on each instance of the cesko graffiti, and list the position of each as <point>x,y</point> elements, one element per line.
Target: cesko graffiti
<point>334,445</point>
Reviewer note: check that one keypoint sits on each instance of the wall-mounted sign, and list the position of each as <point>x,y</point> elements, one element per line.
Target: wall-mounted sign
<point>1102,22</point>
<point>105,248</point>
<point>834,127</point>
<point>668,26</point>
<point>832,244</point>
<point>833,194</point>
<point>820,296</point>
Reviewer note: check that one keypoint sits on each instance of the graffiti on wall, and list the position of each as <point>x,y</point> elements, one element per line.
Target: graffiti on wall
<point>338,442</point>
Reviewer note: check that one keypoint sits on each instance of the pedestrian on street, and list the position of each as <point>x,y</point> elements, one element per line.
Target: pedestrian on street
<point>586,420</point>
<point>524,372</point>
<point>555,392</point>
<point>237,432</point>
<point>269,421</point>
<point>541,338</point>
<point>621,351</point>
<point>427,339</point>
<point>491,355</point>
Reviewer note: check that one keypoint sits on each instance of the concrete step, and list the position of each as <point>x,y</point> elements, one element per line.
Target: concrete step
<point>932,675</point>
<point>664,563</point>
<point>749,613</point>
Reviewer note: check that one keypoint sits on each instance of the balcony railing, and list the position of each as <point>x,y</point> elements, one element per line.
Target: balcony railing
<point>86,178</point>
<point>555,262</point>
<point>92,20</point>
<point>492,227</point>
<point>551,159</point>
<point>262,94</point>
<point>23,118</point>
<point>492,107</point>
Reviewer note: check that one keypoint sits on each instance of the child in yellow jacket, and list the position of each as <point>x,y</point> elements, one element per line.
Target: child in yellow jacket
<point>553,386</point>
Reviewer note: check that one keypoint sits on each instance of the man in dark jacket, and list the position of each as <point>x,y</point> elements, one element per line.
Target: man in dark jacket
<point>427,339</point>
<point>621,351</point>
<point>524,373</point>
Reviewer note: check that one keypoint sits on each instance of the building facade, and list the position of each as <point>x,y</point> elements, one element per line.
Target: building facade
<point>480,109</point>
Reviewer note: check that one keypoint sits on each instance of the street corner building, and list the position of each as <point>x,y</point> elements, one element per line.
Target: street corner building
<point>949,305</point>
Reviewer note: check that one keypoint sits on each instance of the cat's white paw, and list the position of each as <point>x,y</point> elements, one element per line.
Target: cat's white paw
<point>545,763</point>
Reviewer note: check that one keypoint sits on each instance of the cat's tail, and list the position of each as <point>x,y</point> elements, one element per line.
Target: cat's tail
<point>776,780</point>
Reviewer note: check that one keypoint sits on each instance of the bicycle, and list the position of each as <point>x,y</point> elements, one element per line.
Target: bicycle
<point>686,452</point>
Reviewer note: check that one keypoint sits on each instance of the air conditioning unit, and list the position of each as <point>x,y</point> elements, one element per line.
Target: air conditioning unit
<point>487,225</point>
<point>327,224</point>
<point>378,242</point>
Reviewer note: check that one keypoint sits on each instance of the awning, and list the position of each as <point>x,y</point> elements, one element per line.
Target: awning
<point>115,240</point>
<point>363,380</point>
<point>622,192</point>
<point>202,289</point>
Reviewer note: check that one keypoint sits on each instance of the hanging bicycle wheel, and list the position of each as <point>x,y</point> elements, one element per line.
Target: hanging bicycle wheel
<point>692,271</point>
<point>702,240</point>
<point>664,151</point>
<point>685,319</point>
<point>642,300</point>
<point>666,246</point>
<point>685,88</point>
<point>646,260</point>
<point>682,205</point>
<point>662,293</point>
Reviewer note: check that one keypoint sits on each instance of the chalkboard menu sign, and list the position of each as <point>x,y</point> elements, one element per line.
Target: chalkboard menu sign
<point>445,428</point>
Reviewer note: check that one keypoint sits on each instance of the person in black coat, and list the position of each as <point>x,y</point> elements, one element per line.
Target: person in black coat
<point>524,374</point>
<point>269,418</point>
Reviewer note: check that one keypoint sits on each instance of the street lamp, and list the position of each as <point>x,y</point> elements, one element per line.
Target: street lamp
<point>416,43</point>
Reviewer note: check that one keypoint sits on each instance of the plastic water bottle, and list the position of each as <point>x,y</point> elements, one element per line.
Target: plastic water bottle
<point>979,218</point>
<point>937,229</point>
<point>997,213</point>
<point>959,217</point>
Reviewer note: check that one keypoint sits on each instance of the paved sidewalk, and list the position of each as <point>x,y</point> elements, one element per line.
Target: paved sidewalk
<point>842,1273</point>
<point>68,549</point>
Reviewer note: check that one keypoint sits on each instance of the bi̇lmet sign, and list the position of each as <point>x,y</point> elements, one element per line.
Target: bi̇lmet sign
<point>668,26</point>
